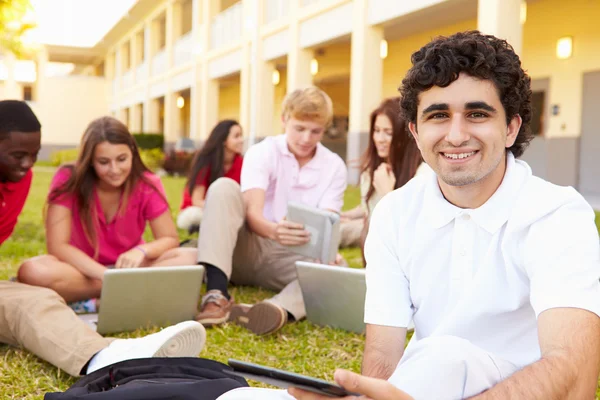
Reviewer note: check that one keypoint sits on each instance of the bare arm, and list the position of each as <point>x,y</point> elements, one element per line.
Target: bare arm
<point>58,235</point>
<point>384,347</point>
<point>254,201</point>
<point>198,196</point>
<point>570,362</point>
<point>165,236</point>
<point>284,232</point>
<point>356,213</point>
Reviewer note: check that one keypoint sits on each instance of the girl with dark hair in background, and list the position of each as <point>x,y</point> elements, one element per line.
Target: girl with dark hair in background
<point>97,212</point>
<point>391,159</point>
<point>219,157</point>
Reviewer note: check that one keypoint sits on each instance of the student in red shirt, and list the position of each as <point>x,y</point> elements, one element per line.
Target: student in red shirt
<point>98,209</point>
<point>220,157</point>
<point>37,318</point>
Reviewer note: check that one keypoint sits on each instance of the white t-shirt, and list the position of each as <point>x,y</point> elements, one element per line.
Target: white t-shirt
<point>483,275</point>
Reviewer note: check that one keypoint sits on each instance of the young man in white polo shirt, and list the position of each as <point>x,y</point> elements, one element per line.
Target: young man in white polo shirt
<point>498,269</point>
<point>244,236</point>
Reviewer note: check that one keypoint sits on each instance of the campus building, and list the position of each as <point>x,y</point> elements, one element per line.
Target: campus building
<point>178,66</point>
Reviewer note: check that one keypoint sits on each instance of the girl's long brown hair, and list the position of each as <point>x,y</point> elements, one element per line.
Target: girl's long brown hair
<point>404,156</point>
<point>83,178</point>
<point>212,155</point>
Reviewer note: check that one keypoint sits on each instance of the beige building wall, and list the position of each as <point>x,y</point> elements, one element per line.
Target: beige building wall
<point>66,105</point>
<point>547,21</point>
<point>229,102</point>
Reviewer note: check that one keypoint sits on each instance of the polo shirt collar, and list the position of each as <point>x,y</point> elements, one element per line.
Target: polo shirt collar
<point>12,186</point>
<point>281,143</point>
<point>493,213</point>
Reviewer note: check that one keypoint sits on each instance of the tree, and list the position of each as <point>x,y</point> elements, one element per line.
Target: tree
<point>14,24</point>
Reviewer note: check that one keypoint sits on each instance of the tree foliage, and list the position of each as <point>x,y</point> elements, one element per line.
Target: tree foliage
<point>14,23</point>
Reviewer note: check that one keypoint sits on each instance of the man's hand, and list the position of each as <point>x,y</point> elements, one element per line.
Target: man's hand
<point>369,388</point>
<point>130,259</point>
<point>288,233</point>
<point>384,179</point>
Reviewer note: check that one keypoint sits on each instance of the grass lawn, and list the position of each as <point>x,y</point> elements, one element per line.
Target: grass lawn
<point>299,347</point>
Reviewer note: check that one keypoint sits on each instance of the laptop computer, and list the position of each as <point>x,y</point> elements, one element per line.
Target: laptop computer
<point>333,296</point>
<point>140,297</point>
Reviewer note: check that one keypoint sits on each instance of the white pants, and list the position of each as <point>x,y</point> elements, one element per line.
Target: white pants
<point>189,216</point>
<point>441,368</point>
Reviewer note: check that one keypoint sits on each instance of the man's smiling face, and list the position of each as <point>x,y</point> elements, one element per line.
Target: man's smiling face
<point>462,132</point>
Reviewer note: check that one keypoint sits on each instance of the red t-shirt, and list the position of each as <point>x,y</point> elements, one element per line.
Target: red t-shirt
<point>234,173</point>
<point>12,200</point>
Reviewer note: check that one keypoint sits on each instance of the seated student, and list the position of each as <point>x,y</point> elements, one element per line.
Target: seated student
<point>221,156</point>
<point>391,160</point>
<point>498,268</point>
<point>98,210</point>
<point>244,235</point>
<point>37,318</point>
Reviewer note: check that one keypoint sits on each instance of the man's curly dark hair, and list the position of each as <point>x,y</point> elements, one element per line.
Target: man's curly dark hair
<point>440,62</point>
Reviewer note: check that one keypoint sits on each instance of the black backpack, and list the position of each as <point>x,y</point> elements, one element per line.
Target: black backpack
<point>155,379</point>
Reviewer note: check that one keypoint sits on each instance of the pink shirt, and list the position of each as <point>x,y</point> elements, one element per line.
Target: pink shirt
<point>270,166</point>
<point>124,231</point>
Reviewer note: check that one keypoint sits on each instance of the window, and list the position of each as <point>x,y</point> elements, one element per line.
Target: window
<point>538,102</point>
<point>27,93</point>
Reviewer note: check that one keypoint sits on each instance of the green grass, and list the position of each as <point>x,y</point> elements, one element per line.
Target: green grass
<point>300,347</point>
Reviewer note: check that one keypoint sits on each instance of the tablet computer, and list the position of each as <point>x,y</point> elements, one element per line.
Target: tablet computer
<point>285,379</point>
<point>324,228</point>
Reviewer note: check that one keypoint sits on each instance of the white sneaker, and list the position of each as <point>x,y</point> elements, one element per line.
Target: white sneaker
<point>186,339</point>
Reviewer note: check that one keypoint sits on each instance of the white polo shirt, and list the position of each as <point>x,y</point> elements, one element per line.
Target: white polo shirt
<point>482,274</point>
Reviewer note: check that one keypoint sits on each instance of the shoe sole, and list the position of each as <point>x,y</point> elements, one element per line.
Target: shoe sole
<point>188,341</point>
<point>208,322</point>
<point>261,319</point>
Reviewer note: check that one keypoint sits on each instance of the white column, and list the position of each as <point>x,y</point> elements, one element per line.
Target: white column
<point>209,89</point>
<point>366,78</point>
<point>118,69</point>
<point>146,122</point>
<point>501,18</point>
<point>196,88</point>
<point>298,62</point>
<point>41,64</point>
<point>133,56</point>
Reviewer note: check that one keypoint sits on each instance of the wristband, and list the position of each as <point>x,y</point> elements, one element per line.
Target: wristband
<point>142,250</point>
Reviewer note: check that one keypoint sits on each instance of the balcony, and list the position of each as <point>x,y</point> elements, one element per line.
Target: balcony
<point>184,48</point>
<point>276,9</point>
<point>159,63</point>
<point>127,79</point>
<point>226,27</point>
<point>141,73</point>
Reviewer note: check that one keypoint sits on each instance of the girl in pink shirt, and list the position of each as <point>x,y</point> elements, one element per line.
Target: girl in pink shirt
<point>97,212</point>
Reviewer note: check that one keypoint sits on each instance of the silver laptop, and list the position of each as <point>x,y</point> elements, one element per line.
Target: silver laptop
<point>142,297</point>
<point>333,296</point>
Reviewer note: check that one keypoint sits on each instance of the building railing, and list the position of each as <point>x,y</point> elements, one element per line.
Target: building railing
<point>141,72</point>
<point>227,26</point>
<point>184,48</point>
<point>308,2</point>
<point>276,9</point>
<point>159,63</point>
<point>127,79</point>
